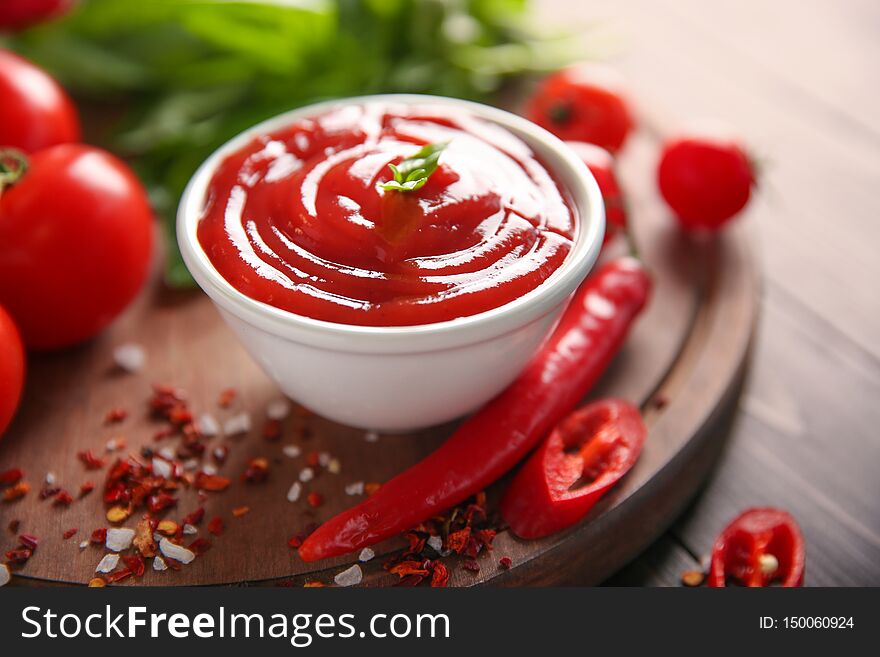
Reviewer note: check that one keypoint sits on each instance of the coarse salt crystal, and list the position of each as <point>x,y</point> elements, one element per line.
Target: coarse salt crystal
<point>240,423</point>
<point>189,529</point>
<point>350,576</point>
<point>50,478</point>
<point>175,551</point>
<point>324,459</point>
<point>5,576</point>
<point>355,488</point>
<point>130,357</point>
<point>435,543</point>
<point>108,563</point>
<point>306,474</point>
<point>167,453</point>
<point>371,437</point>
<point>278,409</point>
<point>366,554</point>
<point>159,563</point>
<point>208,425</point>
<point>119,538</point>
<point>162,468</point>
<point>112,445</point>
<point>294,492</point>
<point>334,466</point>
<point>83,545</point>
<point>209,469</point>
<point>291,451</point>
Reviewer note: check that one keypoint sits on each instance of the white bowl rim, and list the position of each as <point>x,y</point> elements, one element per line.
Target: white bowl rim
<point>580,184</point>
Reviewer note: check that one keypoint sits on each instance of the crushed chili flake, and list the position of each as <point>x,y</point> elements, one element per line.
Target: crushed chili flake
<point>313,584</point>
<point>410,567</point>
<point>16,491</point>
<point>160,501</point>
<point>118,514</point>
<point>315,499</point>
<point>143,537</point>
<point>693,578</point>
<point>471,565</point>
<point>211,483</point>
<point>135,563</point>
<point>115,415</point>
<point>505,562</point>
<point>196,517</point>
<point>167,527</point>
<point>216,526</point>
<point>18,556</point>
<point>226,398</point>
<point>257,471</point>
<point>63,498</point>
<point>29,541</point>
<point>118,576</point>
<point>11,476</point>
<point>439,575</point>
<point>97,582</point>
<point>272,430</point>
<point>199,546</point>
<point>86,488</point>
<point>99,536</point>
<point>371,487</point>
<point>91,461</point>
<point>457,541</point>
<point>240,511</point>
<point>313,458</point>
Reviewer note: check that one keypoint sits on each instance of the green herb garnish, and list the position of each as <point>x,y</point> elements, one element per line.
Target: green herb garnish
<point>413,172</point>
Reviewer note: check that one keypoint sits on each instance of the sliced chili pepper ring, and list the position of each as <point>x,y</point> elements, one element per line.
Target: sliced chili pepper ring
<point>584,456</point>
<point>760,547</point>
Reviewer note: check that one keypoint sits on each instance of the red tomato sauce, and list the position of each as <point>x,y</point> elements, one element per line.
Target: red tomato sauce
<point>297,218</point>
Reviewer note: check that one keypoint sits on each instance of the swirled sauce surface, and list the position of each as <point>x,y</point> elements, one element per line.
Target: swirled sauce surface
<point>298,218</point>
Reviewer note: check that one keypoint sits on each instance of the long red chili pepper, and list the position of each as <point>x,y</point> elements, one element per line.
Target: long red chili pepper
<point>493,440</point>
<point>587,453</point>
<point>758,548</point>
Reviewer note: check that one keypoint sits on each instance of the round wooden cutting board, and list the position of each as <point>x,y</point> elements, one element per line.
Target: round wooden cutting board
<point>682,363</point>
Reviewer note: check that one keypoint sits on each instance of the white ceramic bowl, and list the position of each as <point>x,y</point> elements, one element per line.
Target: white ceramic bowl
<point>408,377</point>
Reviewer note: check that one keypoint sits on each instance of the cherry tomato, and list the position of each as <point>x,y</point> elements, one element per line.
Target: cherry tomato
<point>19,14</point>
<point>583,103</point>
<point>76,235</point>
<point>12,366</point>
<point>601,164</point>
<point>35,112</point>
<point>706,178</point>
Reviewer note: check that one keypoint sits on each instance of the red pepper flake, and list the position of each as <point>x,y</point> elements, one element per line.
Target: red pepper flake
<point>200,546</point>
<point>63,498</point>
<point>315,499</point>
<point>240,511</point>
<point>14,525</point>
<point>257,471</point>
<point>313,458</point>
<point>160,501</point>
<point>115,415</point>
<point>227,397</point>
<point>505,562</point>
<point>439,575</point>
<point>371,487</point>
<point>211,483</point>
<point>457,541</point>
<point>485,537</point>
<point>86,488</point>
<point>118,576</point>
<point>272,430</point>
<point>16,491</point>
<point>296,541</point>
<point>91,461</point>
<point>416,542</point>
<point>143,537</point>
<point>313,584</point>
<point>29,541</point>
<point>410,567</point>
<point>693,578</point>
<point>18,556</point>
<point>471,565</point>
<point>11,476</point>
<point>48,491</point>
<point>195,518</point>
<point>99,536</point>
<point>216,526</point>
<point>135,563</point>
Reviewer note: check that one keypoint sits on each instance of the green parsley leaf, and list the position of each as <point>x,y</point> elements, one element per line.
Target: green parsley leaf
<point>413,172</point>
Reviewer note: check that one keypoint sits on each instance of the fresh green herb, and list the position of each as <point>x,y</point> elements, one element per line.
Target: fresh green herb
<point>174,79</point>
<point>413,172</point>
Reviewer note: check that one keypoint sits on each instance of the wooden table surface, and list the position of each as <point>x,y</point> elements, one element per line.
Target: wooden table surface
<point>795,78</point>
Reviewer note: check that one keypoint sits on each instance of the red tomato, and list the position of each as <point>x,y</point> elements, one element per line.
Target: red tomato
<point>35,112</point>
<point>601,164</point>
<point>12,366</point>
<point>583,103</point>
<point>76,235</point>
<point>19,14</point>
<point>706,178</point>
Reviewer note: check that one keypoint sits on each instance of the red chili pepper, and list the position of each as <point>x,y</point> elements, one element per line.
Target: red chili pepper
<point>587,453</point>
<point>758,548</point>
<point>495,438</point>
